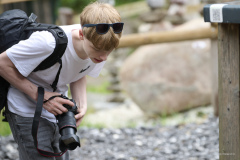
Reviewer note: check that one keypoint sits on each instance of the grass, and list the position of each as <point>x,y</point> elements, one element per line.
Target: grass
<point>91,125</point>
<point>4,127</point>
<point>99,88</point>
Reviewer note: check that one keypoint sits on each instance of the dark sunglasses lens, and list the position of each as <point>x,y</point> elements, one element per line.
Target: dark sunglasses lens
<point>117,27</point>
<point>102,28</point>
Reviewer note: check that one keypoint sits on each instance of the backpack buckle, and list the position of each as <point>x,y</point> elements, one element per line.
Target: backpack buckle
<point>60,34</point>
<point>32,18</point>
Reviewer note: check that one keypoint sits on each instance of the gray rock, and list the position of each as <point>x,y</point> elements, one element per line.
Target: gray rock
<point>168,78</point>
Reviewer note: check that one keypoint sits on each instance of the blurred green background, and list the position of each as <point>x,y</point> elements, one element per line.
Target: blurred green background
<point>78,5</point>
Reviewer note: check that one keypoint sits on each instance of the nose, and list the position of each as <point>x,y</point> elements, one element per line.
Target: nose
<point>104,57</point>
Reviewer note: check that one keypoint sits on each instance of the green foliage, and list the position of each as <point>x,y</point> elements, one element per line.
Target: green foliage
<point>100,125</point>
<point>78,5</point>
<point>99,88</point>
<point>131,124</point>
<point>4,127</point>
<point>120,2</point>
<point>201,114</point>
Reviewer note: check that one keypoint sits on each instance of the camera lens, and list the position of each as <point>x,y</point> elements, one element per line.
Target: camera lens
<point>67,128</point>
<point>69,142</point>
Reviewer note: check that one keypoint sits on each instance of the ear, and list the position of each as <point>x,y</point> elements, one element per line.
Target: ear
<point>81,34</point>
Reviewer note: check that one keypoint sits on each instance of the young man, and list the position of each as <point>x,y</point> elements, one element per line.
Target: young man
<point>89,45</point>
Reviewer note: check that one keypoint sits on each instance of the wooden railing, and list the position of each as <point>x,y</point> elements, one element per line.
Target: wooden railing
<point>132,40</point>
<point>11,1</point>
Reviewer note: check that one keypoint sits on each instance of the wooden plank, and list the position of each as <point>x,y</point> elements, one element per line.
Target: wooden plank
<point>229,120</point>
<point>12,1</point>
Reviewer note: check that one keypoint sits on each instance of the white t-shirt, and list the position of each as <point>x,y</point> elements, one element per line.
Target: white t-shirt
<point>27,55</point>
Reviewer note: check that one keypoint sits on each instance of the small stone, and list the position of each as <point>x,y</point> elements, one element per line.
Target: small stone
<point>138,143</point>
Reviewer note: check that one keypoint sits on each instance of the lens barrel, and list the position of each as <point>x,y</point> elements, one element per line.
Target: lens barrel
<point>67,128</point>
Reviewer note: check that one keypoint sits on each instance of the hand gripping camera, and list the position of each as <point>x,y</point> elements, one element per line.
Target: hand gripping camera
<point>67,128</point>
<point>66,123</point>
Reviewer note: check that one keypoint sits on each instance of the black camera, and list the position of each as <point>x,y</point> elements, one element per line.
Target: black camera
<point>67,128</point>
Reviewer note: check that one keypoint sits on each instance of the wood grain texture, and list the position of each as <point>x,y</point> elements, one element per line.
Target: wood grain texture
<point>214,68</point>
<point>229,120</point>
<point>166,36</point>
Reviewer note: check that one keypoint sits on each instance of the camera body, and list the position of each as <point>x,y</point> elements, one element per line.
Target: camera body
<point>67,128</point>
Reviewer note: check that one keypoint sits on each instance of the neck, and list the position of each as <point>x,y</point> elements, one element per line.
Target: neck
<point>78,45</point>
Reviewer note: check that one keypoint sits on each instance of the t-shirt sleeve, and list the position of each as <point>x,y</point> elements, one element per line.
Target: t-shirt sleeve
<point>28,54</point>
<point>97,69</point>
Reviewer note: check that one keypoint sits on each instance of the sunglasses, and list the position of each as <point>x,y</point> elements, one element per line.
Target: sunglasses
<point>102,28</point>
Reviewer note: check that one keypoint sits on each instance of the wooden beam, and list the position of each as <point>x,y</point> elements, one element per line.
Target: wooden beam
<point>166,36</point>
<point>11,1</point>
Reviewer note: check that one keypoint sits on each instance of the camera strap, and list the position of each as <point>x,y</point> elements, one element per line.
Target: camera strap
<point>35,125</point>
<point>62,96</point>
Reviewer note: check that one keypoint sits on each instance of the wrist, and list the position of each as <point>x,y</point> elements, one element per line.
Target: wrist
<point>33,93</point>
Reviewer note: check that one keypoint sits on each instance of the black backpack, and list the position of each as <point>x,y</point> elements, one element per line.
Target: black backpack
<point>15,26</point>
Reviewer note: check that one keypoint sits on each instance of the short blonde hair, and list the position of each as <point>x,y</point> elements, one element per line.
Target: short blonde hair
<point>100,13</point>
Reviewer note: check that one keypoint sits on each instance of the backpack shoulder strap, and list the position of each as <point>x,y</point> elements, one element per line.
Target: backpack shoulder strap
<point>55,57</point>
<point>61,44</point>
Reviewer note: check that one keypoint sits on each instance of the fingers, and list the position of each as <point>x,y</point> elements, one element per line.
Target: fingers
<point>64,101</point>
<point>79,117</point>
<point>79,122</point>
<point>53,106</point>
<point>53,110</point>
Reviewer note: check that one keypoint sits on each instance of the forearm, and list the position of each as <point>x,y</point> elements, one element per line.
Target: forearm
<point>9,72</point>
<point>79,94</point>
<point>78,91</point>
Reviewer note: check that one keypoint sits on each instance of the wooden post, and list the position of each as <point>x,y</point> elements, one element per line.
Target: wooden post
<point>226,15</point>
<point>214,68</point>
<point>229,120</point>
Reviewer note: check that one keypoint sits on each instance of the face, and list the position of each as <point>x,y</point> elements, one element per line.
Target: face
<point>96,55</point>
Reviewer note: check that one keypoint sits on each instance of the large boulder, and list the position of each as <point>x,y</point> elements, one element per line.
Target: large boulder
<point>169,77</point>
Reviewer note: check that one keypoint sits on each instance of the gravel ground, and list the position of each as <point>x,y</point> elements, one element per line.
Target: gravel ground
<point>179,142</point>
